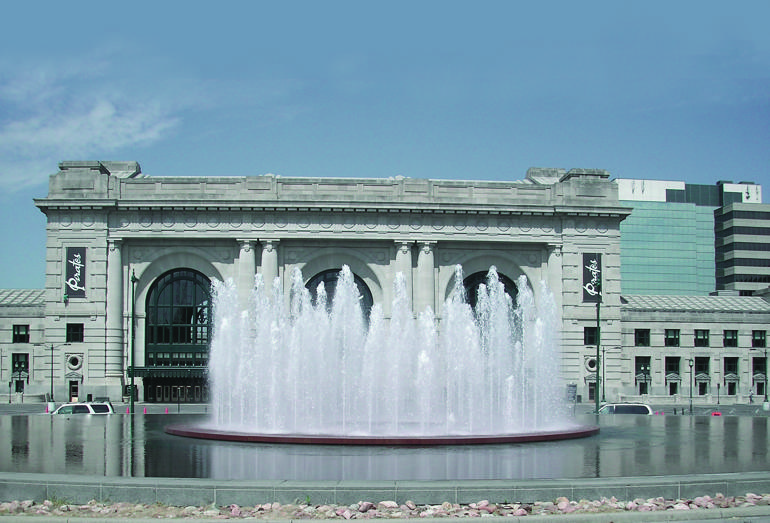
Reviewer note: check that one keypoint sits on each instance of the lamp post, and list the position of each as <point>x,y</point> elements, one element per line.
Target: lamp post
<point>690,363</point>
<point>604,398</point>
<point>604,350</point>
<point>599,379</point>
<point>52,348</point>
<point>764,351</point>
<point>134,279</point>
<point>765,356</point>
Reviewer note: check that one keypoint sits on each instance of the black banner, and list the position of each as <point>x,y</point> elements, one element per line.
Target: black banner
<point>75,273</point>
<point>592,277</point>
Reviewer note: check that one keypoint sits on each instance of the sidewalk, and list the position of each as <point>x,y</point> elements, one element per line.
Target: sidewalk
<point>120,408</point>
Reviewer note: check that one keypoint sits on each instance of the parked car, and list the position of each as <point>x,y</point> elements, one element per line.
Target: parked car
<point>91,407</point>
<point>626,408</point>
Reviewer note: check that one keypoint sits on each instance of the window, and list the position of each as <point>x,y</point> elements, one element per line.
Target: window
<point>178,319</point>
<point>701,338</point>
<point>731,375</point>
<point>672,338</point>
<point>730,339</point>
<point>758,339</point>
<point>74,332</point>
<point>591,391</point>
<point>702,375</point>
<point>589,336</point>
<point>19,363</point>
<point>701,365</point>
<point>21,334</point>
<point>759,365</point>
<point>672,364</point>
<point>642,337</point>
<point>642,373</point>
<point>19,370</point>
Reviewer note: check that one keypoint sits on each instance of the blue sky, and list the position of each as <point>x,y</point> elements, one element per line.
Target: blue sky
<point>426,89</point>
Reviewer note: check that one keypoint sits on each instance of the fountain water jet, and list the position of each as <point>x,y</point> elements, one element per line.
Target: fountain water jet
<point>321,373</point>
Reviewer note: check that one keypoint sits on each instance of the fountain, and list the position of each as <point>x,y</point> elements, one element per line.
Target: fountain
<point>322,372</point>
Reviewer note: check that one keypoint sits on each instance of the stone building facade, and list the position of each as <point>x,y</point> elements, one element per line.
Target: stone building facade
<point>677,349</point>
<point>129,259</point>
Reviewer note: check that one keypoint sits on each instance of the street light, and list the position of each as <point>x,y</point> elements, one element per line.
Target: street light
<point>690,362</point>
<point>605,349</point>
<point>52,349</point>
<point>134,279</point>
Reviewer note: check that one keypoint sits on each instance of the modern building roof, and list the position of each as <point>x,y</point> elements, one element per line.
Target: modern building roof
<point>636,302</point>
<point>21,297</point>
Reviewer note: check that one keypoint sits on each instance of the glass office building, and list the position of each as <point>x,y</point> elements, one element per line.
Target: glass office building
<point>667,244</point>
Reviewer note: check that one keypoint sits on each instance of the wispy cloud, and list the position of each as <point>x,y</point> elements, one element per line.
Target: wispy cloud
<point>56,112</point>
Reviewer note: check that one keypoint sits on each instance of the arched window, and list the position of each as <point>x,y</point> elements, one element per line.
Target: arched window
<point>475,280</point>
<point>178,319</point>
<point>329,279</point>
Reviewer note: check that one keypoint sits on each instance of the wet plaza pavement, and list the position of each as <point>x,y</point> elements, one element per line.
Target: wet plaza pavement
<point>136,446</point>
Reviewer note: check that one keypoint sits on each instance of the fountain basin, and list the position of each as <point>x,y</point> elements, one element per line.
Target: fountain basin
<point>202,432</point>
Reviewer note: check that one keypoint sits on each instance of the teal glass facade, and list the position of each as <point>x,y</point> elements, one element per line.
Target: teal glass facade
<point>667,248</point>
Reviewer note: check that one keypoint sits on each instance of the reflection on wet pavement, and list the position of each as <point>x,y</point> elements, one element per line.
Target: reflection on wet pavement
<point>124,445</point>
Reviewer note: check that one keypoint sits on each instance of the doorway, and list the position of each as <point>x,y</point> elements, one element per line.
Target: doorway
<point>74,392</point>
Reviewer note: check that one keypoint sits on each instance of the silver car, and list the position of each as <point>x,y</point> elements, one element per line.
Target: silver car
<point>103,407</point>
<point>626,408</point>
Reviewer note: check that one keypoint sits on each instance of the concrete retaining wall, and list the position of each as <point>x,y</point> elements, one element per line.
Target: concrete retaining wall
<point>183,492</point>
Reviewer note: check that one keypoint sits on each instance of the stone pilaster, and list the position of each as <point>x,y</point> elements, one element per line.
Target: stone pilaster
<point>554,271</point>
<point>269,263</point>
<point>114,329</point>
<point>425,278</point>
<point>247,268</point>
<point>404,264</point>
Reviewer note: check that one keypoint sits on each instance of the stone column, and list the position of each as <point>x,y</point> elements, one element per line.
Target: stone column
<point>425,282</point>
<point>404,265</point>
<point>114,313</point>
<point>247,268</point>
<point>269,263</point>
<point>554,272</point>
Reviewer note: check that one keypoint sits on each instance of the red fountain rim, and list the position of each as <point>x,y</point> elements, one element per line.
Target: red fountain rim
<point>192,431</point>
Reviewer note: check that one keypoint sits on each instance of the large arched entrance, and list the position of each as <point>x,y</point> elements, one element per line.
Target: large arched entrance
<point>329,280</point>
<point>475,280</point>
<point>177,334</point>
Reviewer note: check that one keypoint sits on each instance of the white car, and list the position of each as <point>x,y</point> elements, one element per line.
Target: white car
<point>102,407</point>
<point>626,408</point>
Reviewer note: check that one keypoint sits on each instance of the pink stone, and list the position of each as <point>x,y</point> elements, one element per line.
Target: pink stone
<point>519,512</point>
